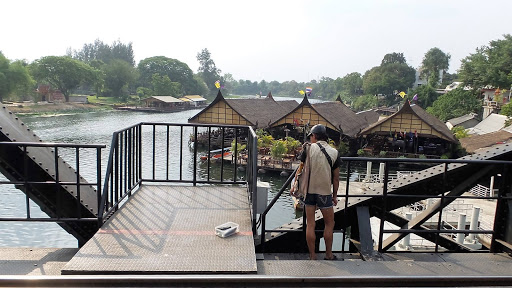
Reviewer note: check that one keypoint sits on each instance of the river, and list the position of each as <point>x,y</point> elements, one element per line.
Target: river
<point>97,128</point>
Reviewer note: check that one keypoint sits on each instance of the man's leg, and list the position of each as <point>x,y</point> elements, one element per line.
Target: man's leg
<point>310,230</point>
<point>328,215</point>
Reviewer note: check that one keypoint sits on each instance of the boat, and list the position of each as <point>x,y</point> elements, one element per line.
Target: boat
<point>217,154</point>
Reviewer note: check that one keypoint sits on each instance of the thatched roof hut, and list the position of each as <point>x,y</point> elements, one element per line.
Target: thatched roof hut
<point>412,118</point>
<point>256,112</point>
<point>334,115</point>
<point>476,142</point>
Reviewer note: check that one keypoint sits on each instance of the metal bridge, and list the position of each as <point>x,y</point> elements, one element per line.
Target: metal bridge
<point>152,218</point>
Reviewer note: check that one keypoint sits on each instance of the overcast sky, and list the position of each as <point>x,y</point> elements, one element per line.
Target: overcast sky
<point>271,40</point>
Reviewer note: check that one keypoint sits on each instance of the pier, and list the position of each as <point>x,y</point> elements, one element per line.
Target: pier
<point>154,224</point>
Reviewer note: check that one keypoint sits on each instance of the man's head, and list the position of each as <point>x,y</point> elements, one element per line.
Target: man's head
<point>319,131</point>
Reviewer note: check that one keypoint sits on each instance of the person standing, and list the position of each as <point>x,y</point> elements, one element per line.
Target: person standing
<point>323,188</point>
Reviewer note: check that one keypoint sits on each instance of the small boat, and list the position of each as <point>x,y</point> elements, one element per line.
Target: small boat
<point>217,154</point>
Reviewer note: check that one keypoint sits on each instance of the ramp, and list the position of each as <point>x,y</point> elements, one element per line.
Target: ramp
<point>426,182</point>
<point>56,202</point>
<point>170,230</point>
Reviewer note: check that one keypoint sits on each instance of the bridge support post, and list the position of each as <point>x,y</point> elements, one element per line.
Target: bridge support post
<point>461,225</point>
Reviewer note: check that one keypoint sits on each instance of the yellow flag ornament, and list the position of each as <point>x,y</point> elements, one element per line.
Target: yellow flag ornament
<point>217,84</point>
<point>302,92</point>
<point>402,94</point>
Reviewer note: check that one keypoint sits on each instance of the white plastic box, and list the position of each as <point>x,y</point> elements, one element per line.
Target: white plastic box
<point>227,229</point>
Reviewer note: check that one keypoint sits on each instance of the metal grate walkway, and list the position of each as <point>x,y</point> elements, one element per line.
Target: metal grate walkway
<point>170,230</point>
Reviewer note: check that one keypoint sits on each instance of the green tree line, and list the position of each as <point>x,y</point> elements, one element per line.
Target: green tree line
<point>110,70</point>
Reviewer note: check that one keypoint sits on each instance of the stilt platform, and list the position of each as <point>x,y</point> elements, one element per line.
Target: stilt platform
<point>171,230</point>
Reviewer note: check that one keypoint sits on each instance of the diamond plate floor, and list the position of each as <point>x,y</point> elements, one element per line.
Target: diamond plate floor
<point>170,230</point>
<point>396,265</point>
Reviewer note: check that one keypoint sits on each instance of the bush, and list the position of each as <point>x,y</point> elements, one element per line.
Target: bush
<point>459,132</point>
<point>265,141</point>
<point>278,149</point>
<point>239,147</point>
<point>382,153</point>
<point>291,144</point>
<point>422,156</point>
<point>360,152</point>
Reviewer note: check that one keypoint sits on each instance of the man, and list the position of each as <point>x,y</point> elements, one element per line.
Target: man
<point>323,188</point>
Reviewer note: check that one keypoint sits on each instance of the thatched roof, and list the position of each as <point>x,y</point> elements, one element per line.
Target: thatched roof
<point>475,142</point>
<point>370,116</point>
<point>262,111</point>
<point>334,115</point>
<point>256,112</point>
<point>411,118</point>
<point>341,116</point>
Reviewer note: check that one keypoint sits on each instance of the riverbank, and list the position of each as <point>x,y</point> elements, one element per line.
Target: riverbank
<point>54,108</point>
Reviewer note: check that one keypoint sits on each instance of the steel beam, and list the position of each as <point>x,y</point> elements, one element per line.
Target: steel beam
<point>436,207</point>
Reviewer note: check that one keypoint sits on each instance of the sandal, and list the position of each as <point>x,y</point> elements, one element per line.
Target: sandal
<point>331,259</point>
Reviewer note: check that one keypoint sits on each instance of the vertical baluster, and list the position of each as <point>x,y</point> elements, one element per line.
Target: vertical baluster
<point>181,153</point>
<point>25,180</point>
<point>78,186</point>
<point>154,149</point>
<point>194,177</point>
<point>346,205</point>
<point>222,156</point>
<point>208,156</point>
<point>56,162</point>
<point>384,205</point>
<point>441,207</point>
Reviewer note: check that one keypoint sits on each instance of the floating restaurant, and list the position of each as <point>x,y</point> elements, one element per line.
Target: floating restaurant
<point>409,132</point>
<point>285,118</point>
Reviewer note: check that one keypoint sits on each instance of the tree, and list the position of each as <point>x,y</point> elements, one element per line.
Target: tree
<point>364,102</point>
<point>434,61</point>
<point>326,88</point>
<point>350,86</point>
<point>426,95</point>
<point>63,73</point>
<point>13,77</point>
<point>118,75</point>
<point>455,103</point>
<point>506,110</point>
<point>394,57</point>
<point>388,78</point>
<point>208,71</point>
<point>104,52</point>
<point>489,65</point>
<point>162,85</point>
<point>176,70</point>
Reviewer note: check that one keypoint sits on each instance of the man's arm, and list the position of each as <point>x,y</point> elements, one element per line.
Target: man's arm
<point>335,185</point>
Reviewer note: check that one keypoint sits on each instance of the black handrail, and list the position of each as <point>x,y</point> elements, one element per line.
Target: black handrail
<point>57,182</point>
<point>386,196</point>
<point>128,150</point>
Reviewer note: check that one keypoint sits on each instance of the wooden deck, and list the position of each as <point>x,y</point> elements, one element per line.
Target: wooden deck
<point>171,230</point>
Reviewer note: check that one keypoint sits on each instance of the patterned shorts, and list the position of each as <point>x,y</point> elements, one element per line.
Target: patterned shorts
<point>321,201</point>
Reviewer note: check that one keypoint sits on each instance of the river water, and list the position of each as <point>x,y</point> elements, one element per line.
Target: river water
<point>96,128</point>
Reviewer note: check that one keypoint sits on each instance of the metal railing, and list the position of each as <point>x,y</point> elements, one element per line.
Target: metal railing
<point>21,179</point>
<point>444,198</point>
<point>386,201</point>
<point>155,153</point>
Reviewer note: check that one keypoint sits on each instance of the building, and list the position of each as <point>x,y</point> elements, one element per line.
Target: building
<point>467,121</point>
<point>410,130</point>
<point>476,142</point>
<point>492,123</point>
<point>255,112</point>
<point>335,116</point>
<point>164,102</point>
<point>194,100</point>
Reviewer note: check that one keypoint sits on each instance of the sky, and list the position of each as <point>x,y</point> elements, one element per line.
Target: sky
<point>259,40</point>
